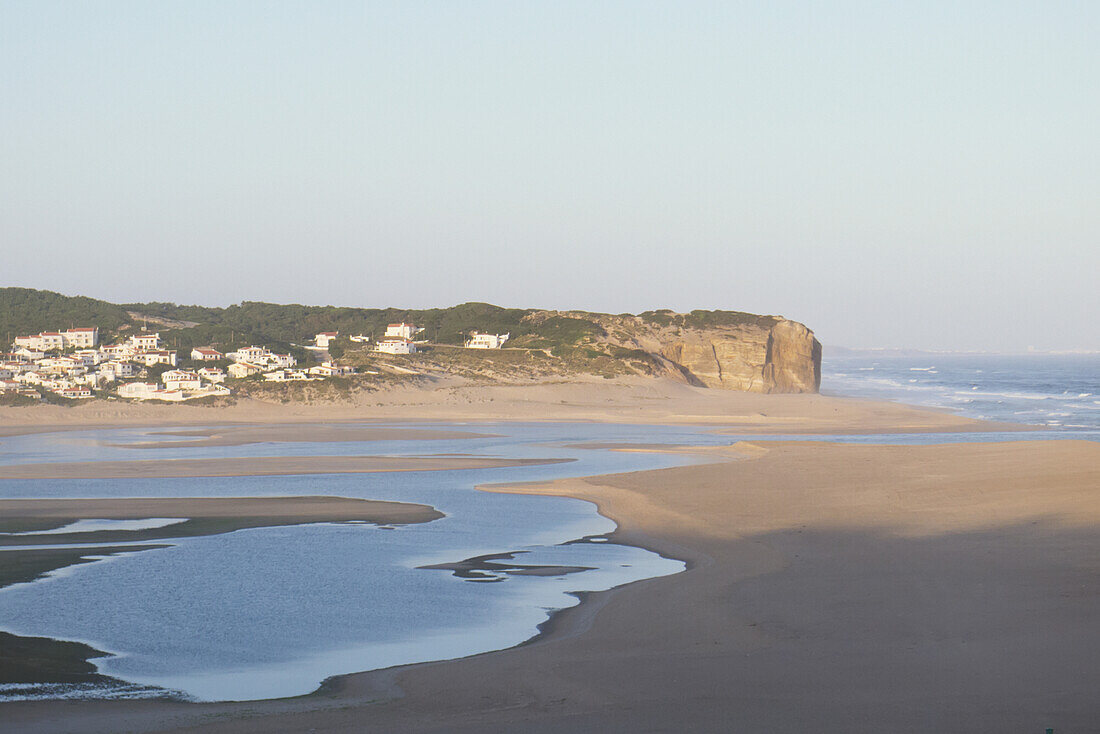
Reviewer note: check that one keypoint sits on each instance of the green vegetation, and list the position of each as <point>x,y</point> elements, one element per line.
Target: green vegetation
<point>557,331</point>
<point>285,327</point>
<point>28,311</point>
<point>541,344</point>
<point>707,319</point>
<point>16,400</point>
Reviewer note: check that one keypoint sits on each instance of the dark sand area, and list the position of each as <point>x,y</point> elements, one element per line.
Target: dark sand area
<point>205,515</point>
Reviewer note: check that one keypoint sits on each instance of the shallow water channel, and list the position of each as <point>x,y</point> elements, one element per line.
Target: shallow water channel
<point>272,612</point>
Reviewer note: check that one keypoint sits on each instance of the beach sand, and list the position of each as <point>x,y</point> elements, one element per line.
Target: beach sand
<point>831,588</point>
<point>254,466</point>
<point>620,401</point>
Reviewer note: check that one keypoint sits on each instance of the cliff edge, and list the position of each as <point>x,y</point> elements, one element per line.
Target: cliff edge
<point>720,349</point>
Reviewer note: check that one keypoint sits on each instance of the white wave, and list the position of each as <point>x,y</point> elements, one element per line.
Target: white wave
<point>922,369</point>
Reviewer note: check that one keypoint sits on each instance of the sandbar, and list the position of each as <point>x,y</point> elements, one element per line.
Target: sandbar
<point>243,435</point>
<point>254,466</point>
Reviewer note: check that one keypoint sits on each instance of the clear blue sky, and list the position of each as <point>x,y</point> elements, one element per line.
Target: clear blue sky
<point>916,174</point>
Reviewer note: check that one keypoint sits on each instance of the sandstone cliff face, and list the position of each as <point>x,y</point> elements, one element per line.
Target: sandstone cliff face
<point>755,354</point>
<point>784,359</point>
<point>793,361</point>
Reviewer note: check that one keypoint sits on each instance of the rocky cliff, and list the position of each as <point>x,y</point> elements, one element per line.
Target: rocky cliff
<point>721,349</point>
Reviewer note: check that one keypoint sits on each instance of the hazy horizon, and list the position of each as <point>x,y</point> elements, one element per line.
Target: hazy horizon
<point>920,176</point>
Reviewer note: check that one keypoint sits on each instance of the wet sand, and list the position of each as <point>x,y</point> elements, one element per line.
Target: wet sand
<point>243,435</point>
<point>253,466</point>
<point>831,588</point>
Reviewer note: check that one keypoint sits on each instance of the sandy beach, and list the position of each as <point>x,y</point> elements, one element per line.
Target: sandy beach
<point>831,588</point>
<point>620,401</point>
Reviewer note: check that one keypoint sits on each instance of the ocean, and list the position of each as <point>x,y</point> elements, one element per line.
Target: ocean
<point>1057,392</point>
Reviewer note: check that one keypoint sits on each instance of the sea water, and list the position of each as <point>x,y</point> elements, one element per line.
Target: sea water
<point>1059,392</point>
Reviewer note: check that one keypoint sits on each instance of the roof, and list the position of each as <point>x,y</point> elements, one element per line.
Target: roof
<point>401,324</point>
<point>205,350</point>
<point>328,333</point>
<point>84,328</point>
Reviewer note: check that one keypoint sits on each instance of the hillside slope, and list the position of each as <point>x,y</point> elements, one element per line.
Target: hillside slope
<point>729,350</point>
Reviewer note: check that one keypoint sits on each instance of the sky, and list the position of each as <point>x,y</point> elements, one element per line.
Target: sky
<point>893,174</point>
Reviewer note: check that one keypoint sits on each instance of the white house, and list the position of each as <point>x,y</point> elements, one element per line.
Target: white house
<point>121,369</point>
<point>404,331</point>
<point>212,374</point>
<point>145,341</point>
<point>84,337</point>
<point>281,360</point>
<point>77,391</point>
<point>90,357</point>
<point>479,340</point>
<point>248,354</point>
<point>119,350</point>
<point>244,369</point>
<point>47,341</point>
<point>139,390</point>
<point>62,365</point>
<point>286,376</point>
<point>181,380</point>
<point>29,354</point>
<point>156,356</point>
<point>396,345</point>
<point>206,354</point>
<point>322,340</point>
<point>331,369</point>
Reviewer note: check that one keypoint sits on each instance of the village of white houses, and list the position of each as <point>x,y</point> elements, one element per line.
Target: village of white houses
<point>73,364</point>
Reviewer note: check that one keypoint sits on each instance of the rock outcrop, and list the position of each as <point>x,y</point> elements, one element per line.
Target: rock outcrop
<point>793,360</point>
<point>783,359</point>
<point>720,349</point>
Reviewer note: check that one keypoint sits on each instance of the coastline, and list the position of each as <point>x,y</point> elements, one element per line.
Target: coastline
<point>649,401</point>
<point>526,687</point>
